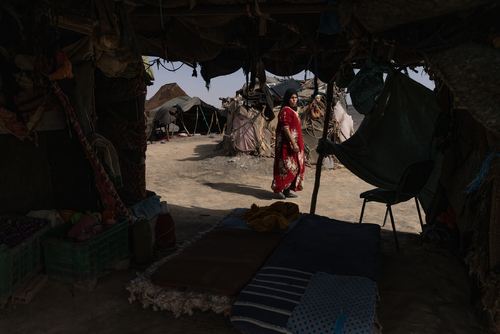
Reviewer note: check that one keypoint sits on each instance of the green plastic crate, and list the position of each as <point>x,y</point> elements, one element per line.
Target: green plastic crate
<point>80,262</point>
<point>17,264</point>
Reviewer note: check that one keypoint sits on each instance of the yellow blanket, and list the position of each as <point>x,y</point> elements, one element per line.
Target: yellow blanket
<point>266,218</point>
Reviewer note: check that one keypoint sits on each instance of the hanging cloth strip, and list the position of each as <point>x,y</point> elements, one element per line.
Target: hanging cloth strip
<point>482,174</point>
<point>105,187</point>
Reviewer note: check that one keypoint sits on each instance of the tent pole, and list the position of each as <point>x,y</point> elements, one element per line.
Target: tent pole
<point>319,163</point>
<point>205,119</point>
<point>217,121</point>
<point>180,118</point>
<point>211,120</point>
<point>196,124</point>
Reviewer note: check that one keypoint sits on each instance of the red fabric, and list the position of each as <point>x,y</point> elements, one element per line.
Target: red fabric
<point>110,198</point>
<point>448,218</point>
<point>288,166</point>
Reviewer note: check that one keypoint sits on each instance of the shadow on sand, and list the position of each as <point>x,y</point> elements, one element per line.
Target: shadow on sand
<point>242,189</point>
<point>203,152</point>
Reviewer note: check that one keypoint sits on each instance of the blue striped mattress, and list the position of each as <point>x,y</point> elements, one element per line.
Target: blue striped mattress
<point>321,279</point>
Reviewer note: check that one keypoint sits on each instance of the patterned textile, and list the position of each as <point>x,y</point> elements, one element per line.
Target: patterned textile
<point>316,245</point>
<point>336,305</point>
<point>235,222</point>
<point>288,166</point>
<point>31,105</point>
<point>265,305</point>
<point>110,198</point>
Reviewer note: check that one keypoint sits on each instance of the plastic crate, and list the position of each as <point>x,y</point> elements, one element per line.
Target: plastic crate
<point>81,262</point>
<point>19,263</point>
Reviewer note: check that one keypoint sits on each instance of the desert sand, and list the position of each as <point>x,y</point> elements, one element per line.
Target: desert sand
<point>424,288</point>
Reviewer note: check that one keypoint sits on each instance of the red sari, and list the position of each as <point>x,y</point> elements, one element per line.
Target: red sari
<point>288,165</point>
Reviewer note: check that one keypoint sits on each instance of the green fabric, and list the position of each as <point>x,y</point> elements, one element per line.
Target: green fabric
<point>366,85</point>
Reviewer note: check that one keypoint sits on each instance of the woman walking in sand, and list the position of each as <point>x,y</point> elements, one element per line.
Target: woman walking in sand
<point>289,154</point>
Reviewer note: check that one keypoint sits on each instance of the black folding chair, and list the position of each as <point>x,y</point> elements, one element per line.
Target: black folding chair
<point>411,183</point>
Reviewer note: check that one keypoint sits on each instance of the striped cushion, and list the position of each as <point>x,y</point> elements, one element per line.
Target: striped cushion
<point>265,305</point>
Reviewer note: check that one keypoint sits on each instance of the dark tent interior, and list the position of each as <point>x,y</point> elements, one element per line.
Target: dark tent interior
<point>73,70</point>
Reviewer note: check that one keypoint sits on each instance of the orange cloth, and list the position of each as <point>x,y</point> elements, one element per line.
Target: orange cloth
<point>278,214</point>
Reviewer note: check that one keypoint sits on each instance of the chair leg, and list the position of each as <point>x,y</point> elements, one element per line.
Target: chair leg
<point>393,226</point>
<point>419,214</point>
<point>385,218</point>
<point>362,211</point>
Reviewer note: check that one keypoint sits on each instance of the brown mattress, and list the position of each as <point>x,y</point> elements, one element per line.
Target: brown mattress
<point>224,260</point>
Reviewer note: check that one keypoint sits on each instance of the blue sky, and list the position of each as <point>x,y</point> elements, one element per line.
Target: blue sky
<point>224,86</point>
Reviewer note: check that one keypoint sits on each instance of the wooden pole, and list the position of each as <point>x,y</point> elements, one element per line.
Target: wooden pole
<point>180,118</point>
<point>196,124</point>
<point>217,121</point>
<point>166,130</point>
<point>329,98</point>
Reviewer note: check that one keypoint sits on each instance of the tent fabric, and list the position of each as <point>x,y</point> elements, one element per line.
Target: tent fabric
<point>366,85</point>
<point>170,103</point>
<point>399,133</point>
<point>165,115</point>
<point>281,88</point>
<point>194,102</point>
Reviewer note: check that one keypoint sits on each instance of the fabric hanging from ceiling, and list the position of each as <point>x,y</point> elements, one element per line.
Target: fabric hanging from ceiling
<point>110,198</point>
<point>400,132</point>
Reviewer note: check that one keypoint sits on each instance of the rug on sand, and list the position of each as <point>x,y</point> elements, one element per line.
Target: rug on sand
<point>207,272</point>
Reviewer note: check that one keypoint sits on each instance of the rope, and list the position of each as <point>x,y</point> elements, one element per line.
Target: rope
<point>482,174</point>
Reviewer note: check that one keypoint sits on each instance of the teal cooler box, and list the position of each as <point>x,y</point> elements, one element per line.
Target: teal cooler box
<point>19,263</point>
<point>81,262</point>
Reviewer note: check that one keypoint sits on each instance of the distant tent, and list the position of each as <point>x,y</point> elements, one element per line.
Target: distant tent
<point>250,129</point>
<point>251,123</point>
<point>282,87</point>
<point>200,116</point>
<point>189,114</point>
<point>166,93</point>
<point>165,114</point>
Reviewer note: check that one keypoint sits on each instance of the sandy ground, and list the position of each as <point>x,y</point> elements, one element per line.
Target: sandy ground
<point>424,288</point>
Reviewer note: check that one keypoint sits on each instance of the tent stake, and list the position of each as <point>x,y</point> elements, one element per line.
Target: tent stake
<point>319,164</point>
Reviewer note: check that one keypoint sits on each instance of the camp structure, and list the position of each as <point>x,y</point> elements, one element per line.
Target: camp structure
<point>196,116</point>
<point>251,122</point>
<point>252,116</point>
<point>167,96</point>
<point>162,118</point>
<point>163,95</point>
<point>74,80</point>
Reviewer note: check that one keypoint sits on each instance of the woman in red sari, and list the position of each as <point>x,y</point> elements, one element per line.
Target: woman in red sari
<point>289,149</point>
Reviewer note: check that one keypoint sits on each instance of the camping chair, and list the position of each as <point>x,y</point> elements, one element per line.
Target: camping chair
<point>411,183</point>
